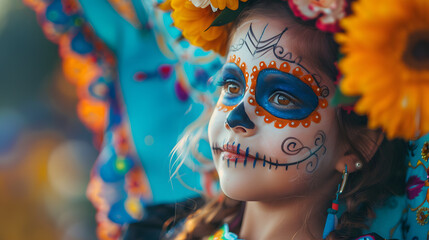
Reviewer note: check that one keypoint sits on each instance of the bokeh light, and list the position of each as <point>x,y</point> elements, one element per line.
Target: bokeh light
<point>46,153</point>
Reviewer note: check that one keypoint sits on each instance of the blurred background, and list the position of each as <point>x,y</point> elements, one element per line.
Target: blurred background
<point>46,154</point>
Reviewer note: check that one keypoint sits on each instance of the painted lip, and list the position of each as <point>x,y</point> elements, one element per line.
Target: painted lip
<point>236,153</point>
<point>233,153</point>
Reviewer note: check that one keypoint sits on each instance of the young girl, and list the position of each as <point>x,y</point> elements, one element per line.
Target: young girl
<point>282,152</point>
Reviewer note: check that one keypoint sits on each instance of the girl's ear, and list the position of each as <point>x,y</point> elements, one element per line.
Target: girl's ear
<point>363,144</point>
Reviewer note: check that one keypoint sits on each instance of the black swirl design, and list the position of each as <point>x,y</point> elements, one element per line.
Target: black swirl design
<point>293,146</point>
<point>281,54</point>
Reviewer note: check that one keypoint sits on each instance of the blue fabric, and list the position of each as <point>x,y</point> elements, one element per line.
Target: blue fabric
<point>389,219</point>
<point>157,108</point>
<point>417,224</point>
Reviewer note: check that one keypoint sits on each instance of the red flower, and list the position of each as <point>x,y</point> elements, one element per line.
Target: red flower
<point>327,12</point>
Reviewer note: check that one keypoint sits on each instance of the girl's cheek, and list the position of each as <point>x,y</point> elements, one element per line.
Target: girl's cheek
<point>216,125</point>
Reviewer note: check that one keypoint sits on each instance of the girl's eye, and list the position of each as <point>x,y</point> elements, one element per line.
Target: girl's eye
<point>280,99</point>
<point>232,88</point>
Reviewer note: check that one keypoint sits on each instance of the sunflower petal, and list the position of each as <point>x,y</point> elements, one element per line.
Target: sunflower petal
<point>374,41</point>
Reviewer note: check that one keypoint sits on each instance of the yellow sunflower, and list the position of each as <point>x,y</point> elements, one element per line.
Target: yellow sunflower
<point>386,47</point>
<point>194,21</point>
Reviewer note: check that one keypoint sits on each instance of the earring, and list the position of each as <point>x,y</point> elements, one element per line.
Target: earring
<point>358,165</point>
<point>332,220</point>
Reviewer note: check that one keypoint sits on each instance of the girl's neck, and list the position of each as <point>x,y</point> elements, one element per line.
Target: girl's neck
<point>294,218</point>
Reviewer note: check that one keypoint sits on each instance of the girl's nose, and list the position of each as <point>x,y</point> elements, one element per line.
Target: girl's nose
<point>239,122</point>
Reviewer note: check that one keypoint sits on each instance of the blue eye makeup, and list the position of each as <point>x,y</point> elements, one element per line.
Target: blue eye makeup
<point>233,82</point>
<point>284,95</point>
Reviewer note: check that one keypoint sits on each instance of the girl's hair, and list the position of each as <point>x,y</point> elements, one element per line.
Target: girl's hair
<point>379,178</point>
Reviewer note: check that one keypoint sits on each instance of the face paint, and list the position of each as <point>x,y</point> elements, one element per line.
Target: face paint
<point>234,81</point>
<point>285,96</point>
<point>283,154</point>
<point>238,117</point>
<point>258,45</point>
<point>291,146</point>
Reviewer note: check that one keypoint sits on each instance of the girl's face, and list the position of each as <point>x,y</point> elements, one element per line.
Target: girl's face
<point>273,134</point>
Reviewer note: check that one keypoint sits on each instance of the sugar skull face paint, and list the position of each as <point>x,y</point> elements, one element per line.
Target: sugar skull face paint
<point>273,130</point>
<point>291,99</point>
<point>285,95</point>
<point>291,146</point>
<point>238,117</point>
<point>233,78</point>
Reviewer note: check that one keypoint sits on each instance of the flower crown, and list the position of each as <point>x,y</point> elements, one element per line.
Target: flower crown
<point>385,68</point>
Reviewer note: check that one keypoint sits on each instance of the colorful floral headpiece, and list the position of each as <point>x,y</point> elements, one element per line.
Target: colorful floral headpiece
<point>385,45</point>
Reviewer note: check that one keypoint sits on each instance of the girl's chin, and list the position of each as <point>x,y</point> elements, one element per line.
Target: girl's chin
<point>244,195</point>
<point>240,188</point>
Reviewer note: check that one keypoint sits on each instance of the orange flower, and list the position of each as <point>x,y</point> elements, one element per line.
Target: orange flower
<point>386,63</point>
<point>194,21</point>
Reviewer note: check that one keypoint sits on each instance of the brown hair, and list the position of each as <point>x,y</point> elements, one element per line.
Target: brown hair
<point>379,178</point>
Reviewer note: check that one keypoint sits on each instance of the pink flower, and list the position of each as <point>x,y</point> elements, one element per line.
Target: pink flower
<point>327,12</point>
<point>414,187</point>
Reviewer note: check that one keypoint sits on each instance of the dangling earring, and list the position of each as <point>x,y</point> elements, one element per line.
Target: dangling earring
<point>332,220</point>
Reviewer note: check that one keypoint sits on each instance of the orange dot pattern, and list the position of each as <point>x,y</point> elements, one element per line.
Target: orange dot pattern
<point>234,59</point>
<point>297,72</point>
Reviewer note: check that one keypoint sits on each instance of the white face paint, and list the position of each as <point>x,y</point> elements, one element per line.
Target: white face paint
<point>273,133</point>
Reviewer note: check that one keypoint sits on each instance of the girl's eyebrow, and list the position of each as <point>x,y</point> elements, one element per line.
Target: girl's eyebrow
<point>233,69</point>
<point>273,73</point>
